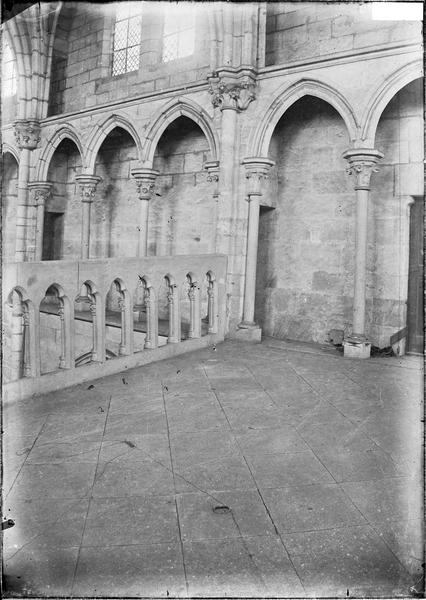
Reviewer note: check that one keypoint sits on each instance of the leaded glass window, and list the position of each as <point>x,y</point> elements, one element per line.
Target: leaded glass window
<point>127,38</point>
<point>179,32</point>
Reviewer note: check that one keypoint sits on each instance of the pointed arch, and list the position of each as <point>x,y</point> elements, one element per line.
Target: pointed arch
<point>170,112</point>
<point>384,94</point>
<point>8,149</point>
<point>65,132</point>
<point>286,96</point>
<point>102,130</point>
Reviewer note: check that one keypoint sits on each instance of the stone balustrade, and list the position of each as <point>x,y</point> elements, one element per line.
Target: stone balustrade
<point>73,294</point>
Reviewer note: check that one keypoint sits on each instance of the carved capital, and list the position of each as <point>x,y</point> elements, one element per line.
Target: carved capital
<point>145,182</point>
<point>257,171</point>
<point>40,192</point>
<point>27,134</point>
<point>232,93</point>
<point>87,185</point>
<point>212,168</point>
<point>362,163</point>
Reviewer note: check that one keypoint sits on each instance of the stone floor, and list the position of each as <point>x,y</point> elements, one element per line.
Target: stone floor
<point>113,485</point>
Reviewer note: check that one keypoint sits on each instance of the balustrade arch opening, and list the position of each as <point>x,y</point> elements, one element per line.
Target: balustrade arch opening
<point>118,321</point>
<point>55,337</point>
<point>19,347</point>
<point>88,326</point>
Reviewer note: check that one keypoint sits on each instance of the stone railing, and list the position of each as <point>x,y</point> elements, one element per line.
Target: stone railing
<point>71,321</point>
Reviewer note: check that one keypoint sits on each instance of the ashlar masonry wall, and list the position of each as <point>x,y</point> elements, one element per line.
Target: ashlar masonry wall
<point>302,30</point>
<point>82,67</point>
<point>306,244</point>
<point>65,199</point>
<point>399,177</point>
<point>182,211</point>
<point>115,212</point>
<point>9,195</point>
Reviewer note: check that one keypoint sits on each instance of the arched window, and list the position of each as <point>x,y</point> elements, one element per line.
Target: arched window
<point>8,86</point>
<point>127,38</point>
<point>179,32</point>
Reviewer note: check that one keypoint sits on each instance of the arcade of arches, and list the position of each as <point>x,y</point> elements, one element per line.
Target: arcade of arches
<point>300,181</point>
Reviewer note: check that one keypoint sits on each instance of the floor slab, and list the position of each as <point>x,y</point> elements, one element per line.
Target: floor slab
<point>114,486</point>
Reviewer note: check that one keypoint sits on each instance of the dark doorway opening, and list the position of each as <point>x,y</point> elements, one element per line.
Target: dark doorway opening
<point>52,235</point>
<point>265,274</point>
<point>415,318</point>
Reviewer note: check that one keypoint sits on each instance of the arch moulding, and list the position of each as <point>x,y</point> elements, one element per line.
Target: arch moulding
<point>384,94</point>
<point>170,112</point>
<point>286,96</point>
<point>65,132</point>
<point>100,133</point>
<point>8,149</point>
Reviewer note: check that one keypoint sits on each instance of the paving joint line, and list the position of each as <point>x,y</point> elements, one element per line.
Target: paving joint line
<point>174,487</point>
<point>90,500</point>
<point>258,491</point>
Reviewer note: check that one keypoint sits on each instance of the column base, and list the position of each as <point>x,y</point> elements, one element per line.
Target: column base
<point>247,332</point>
<point>354,347</point>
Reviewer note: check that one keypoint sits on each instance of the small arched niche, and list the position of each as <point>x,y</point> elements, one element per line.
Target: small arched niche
<point>182,210</point>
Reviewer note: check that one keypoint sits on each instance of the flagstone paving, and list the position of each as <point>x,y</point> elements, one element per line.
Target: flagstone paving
<point>114,487</point>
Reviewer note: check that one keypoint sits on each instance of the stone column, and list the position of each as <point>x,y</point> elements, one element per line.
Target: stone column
<point>212,307</point>
<point>257,170</point>
<point>27,135</point>
<point>151,340</point>
<point>41,192</point>
<point>212,168</point>
<point>174,314</point>
<point>362,163</point>
<point>87,184</point>
<point>95,346</point>
<point>62,358</point>
<point>194,311</point>
<point>231,93</point>
<point>28,366</point>
<point>145,182</point>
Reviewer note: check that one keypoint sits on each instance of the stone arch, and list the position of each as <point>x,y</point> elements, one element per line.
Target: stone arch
<point>101,132</point>
<point>171,111</point>
<point>90,292</point>
<point>125,305</point>
<point>8,149</point>
<point>65,132</point>
<point>65,313</point>
<point>384,94</point>
<point>30,331</point>
<point>287,96</point>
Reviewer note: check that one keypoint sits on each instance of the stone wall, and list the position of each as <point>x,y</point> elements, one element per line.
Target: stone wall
<point>400,174</point>
<point>182,212</point>
<point>85,79</point>
<point>115,211</point>
<point>306,244</point>
<point>9,196</point>
<point>301,30</point>
<point>65,198</point>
